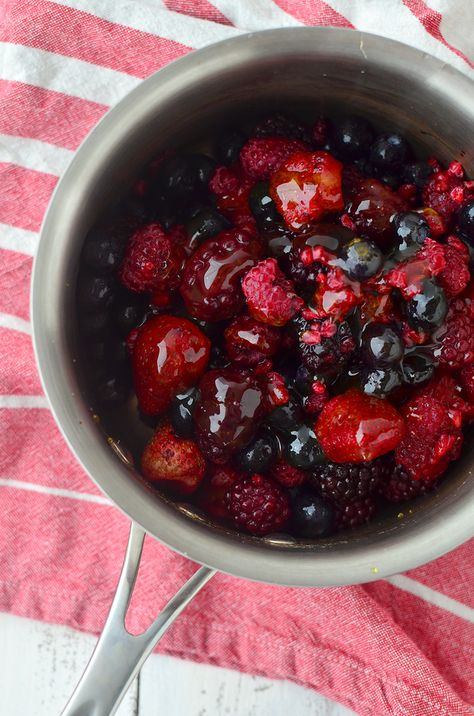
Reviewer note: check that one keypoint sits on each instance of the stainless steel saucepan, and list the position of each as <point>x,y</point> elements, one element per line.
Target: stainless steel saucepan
<point>320,69</point>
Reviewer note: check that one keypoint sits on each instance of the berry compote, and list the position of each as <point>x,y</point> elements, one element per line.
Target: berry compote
<point>292,318</point>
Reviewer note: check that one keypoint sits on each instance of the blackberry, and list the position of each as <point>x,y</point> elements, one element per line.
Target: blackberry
<point>331,354</point>
<point>281,125</point>
<point>258,505</point>
<point>352,514</point>
<point>400,487</point>
<point>344,482</point>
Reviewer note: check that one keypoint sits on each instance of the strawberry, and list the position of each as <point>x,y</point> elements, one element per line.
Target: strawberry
<point>176,462</point>
<point>354,427</point>
<point>306,186</point>
<point>169,356</point>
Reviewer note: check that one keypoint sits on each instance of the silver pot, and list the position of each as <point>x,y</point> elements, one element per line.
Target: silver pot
<point>320,68</point>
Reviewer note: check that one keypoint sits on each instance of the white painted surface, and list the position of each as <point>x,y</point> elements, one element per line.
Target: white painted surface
<point>41,663</point>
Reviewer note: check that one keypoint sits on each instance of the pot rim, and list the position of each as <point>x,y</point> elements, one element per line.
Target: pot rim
<point>354,561</point>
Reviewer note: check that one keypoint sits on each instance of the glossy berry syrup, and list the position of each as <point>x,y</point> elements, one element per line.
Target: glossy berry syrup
<point>291,319</point>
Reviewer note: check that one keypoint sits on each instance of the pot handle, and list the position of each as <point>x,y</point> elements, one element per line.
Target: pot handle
<point>118,655</point>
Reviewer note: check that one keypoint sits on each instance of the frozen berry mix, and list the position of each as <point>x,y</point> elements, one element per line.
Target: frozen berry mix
<point>292,319</point>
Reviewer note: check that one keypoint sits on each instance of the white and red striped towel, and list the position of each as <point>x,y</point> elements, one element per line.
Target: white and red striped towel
<point>401,646</point>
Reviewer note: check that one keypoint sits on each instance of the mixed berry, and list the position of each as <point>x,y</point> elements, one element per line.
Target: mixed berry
<point>292,317</point>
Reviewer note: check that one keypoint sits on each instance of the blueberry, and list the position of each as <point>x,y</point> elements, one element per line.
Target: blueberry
<point>302,449</point>
<point>417,173</point>
<point>181,412</point>
<point>466,221</point>
<point>381,381</point>
<point>228,145</point>
<point>94,324</point>
<point>95,293</point>
<point>97,352</point>
<point>203,167</point>
<point>286,417</point>
<point>102,253</point>
<point>351,137</point>
<point>259,455</point>
<point>303,380</point>
<point>263,207</point>
<point>362,259</point>
<point>176,178</point>
<point>411,227</point>
<point>381,344</point>
<point>389,151</point>
<point>112,391</point>
<point>206,224</point>
<point>389,178</point>
<point>117,352</point>
<point>311,516</point>
<point>427,309</point>
<point>417,368</point>
<point>128,314</point>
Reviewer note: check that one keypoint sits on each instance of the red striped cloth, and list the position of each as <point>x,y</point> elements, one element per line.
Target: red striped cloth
<point>398,646</point>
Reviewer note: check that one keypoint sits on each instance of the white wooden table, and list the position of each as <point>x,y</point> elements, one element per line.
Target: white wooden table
<point>41,663</point>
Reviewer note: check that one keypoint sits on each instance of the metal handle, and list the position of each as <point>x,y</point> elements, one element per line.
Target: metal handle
<point>118,656</point>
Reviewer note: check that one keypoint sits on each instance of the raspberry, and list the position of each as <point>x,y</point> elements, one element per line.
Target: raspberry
<point>306,186</point>
<point>400,486</point>
<point>270,296</point>
<point>249,342</point>
<point>354,427</point>
<point>331,353</point>
<point>320,131</point>
<point>455,276</point>
<point>262,157</point>
<point>153,261</point>
<point>173,461</point>
<point>456,339</point>
<point>287,475</point>
<point>352,514</point>
<point>350,483</point>
<point>210,286</point>
<point>467,380</point>
<point>447,391</point>
<point>431,441</point>
<point>445,192</point>
<point>280,125</point>
<point>258,505</point>
<point>232,189</point>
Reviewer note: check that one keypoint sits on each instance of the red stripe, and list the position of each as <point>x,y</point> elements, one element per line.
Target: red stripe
<point>15,275</point>
<point>198,8</point>
<point>447,574</point>
<point>25,195</point>
<point>23,434</point>
<point>435,632</point>
<point>314,12</point>
<point>37,113</point>
<point>431,21</point>
<point>48,26</point>
<point>18,375</point>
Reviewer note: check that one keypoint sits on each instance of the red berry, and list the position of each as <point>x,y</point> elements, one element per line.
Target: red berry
<point>173,461</point>
<point>354,427</point>
<point>213,493</point>
<point>249,342</point>
<point>306,186</point>
<point>258,505</point>
<point>231,187</point>
<point>169,356</point>
<point>153,261</point>
<point>400,487</point>
<point>276,392</point>
<point>353,514</point>
<point>210,286</point>
<point>456,338</point>
<point>270,296</point>
<point>467,381</point>
<point>432,439</point>
<point>448,391</point>
<point>372,208</point>
<point>228,412</point>
<point>261,157</point>
<point>445,192</point>
<point>287,475</point>
<point>455,276</point>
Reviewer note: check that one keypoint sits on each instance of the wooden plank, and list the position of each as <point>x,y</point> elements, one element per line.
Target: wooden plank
<point>181,688</point>
<point>40,664</point>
